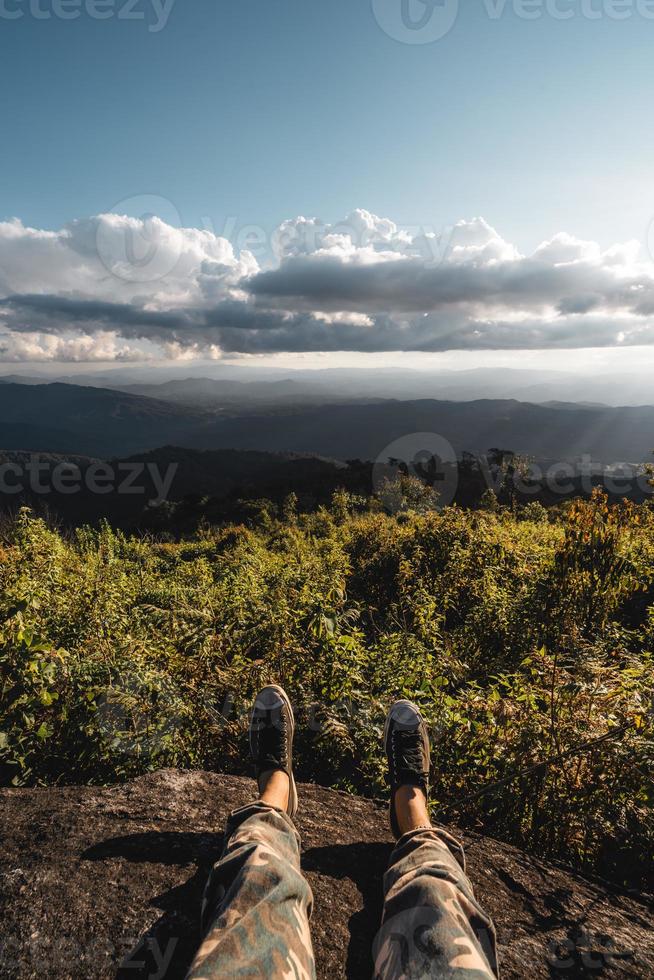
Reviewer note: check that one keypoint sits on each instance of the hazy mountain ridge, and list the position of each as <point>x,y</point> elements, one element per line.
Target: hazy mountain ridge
<point>217,394</point>
<point>105,422</point>
<point>227,384</point>
<point>366,431</point>
<point>88,421</point>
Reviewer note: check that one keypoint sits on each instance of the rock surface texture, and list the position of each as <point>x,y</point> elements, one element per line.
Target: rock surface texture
<point>107,882</point>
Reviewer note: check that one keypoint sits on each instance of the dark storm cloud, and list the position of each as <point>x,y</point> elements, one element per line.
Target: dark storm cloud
<point>239,327</point>
<point>411,285</point>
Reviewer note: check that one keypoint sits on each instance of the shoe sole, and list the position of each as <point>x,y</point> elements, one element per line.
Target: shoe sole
<point>425,739</point>
<point>292,807</point>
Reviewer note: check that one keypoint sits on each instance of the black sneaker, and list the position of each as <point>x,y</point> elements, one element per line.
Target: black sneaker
<point>406,743</point>
<point>271,738</point>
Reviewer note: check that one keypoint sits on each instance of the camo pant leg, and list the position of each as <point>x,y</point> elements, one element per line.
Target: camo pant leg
<point>432,925</point>
<point>256,908</point>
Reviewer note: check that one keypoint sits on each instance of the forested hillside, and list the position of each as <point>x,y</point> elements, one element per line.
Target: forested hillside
<point>66,418</point>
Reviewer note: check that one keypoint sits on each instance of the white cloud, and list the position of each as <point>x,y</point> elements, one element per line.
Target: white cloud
<point>114,288</point>
<point>39,347</point>
<point>112,257</point>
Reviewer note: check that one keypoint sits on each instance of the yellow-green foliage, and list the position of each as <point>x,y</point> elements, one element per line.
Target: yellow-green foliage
<point>522,637</point>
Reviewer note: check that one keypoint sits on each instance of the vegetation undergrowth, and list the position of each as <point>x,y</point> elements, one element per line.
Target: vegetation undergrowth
<point>524,635</point>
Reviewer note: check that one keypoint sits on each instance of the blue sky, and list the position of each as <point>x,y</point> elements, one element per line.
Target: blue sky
<point>256,111</point>
<point>264,109</point>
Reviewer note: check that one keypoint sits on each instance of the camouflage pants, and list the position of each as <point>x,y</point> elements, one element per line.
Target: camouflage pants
<point>257,905</point>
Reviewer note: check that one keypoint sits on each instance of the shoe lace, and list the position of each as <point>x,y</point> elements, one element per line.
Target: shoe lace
<point>408,750</point>
<point>272,742</point>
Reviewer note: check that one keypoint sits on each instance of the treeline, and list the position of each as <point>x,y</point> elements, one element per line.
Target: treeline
<point>172,490</point>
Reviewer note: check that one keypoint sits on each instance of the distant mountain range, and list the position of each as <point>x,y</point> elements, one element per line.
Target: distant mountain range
<point>100,422</point>
<point>228,394</point>
<point>228,386</point>
<point>66,418</point>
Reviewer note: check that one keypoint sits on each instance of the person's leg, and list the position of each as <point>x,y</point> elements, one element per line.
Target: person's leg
<point>255,914</point>
<point>432,925</point>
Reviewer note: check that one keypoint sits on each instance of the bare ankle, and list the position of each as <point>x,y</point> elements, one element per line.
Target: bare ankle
<point>411,809</point>
<point>274,787</point>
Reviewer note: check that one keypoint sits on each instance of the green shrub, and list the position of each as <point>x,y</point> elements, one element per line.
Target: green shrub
<point>523,639</point>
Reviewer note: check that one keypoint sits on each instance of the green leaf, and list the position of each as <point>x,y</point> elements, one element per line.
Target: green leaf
<point>14,610</point>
